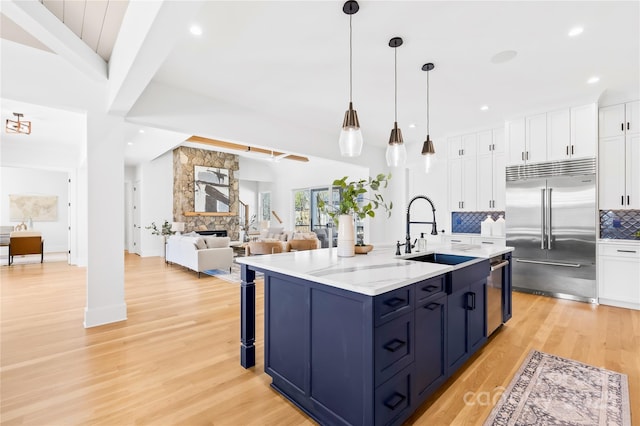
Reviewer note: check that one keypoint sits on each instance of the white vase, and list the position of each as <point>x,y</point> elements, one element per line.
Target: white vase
<point>346,236</point>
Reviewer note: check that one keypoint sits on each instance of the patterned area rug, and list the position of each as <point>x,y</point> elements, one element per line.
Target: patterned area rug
<point>550,390</point>
<point>233,277</point>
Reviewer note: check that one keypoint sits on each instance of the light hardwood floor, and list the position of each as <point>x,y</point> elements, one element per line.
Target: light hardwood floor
<point>175,361</point>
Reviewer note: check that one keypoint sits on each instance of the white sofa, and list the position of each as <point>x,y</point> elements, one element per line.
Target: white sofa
<point>200,253</point>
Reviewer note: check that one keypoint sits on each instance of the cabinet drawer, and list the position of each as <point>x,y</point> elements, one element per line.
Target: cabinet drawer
<point>393,348</point>
<point>451,239</point>
<point>492,241</point>
<point>393,304</point>
<point>461,278</point>
<point>393,399</point>
<point>619,250</point>
<point>427,288</point>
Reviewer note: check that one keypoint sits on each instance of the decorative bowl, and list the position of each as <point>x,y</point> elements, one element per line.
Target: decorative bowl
<point>363,249</point>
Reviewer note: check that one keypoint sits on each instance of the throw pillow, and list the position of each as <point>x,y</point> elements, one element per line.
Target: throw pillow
<point>264,234</point>
<point>200,243</point>
<point>218,242</point>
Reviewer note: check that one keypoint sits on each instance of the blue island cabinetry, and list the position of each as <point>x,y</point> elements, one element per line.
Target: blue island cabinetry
<point>348,358</point>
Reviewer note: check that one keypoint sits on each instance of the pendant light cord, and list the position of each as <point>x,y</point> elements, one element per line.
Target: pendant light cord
<point>350,61</point>
<point>427,103</point>
<point>395,79</point>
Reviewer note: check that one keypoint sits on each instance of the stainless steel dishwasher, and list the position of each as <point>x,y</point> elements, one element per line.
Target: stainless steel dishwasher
<point>494,294</point>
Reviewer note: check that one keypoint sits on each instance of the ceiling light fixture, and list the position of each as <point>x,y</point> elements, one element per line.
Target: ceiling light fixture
<point>17,126</point>
<point>575,31</point>
<point>484,108</point>
<point>396,152</point>
<point>195,30</point>
<point>593,80</point>
<point>428,149</point>
<point>350,141</point>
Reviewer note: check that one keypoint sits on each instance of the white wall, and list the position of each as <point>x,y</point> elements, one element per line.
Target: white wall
<point>23,181</point>
<point>248,194</point>
<point>156,201</point>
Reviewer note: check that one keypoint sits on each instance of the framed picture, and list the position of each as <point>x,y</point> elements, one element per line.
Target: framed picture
<point>211,186</point>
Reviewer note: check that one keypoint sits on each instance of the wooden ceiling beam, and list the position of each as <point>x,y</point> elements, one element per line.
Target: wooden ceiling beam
<point>246,148</point>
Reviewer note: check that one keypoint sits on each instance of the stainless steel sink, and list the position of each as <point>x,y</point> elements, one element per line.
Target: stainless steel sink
<point>442,259</point>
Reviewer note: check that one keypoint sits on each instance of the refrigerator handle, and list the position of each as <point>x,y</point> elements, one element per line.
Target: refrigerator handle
<point>549,221</point>
<point>543,222</point>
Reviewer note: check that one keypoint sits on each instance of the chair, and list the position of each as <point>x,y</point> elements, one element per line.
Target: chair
<point>262,247</point>
<point>25,242</point>
<point>299,245</point>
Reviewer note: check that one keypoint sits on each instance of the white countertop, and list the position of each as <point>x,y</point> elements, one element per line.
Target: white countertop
<point>375,273</point>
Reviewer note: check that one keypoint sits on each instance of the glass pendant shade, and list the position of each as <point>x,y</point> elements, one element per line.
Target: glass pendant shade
<point>396,152</point>
<point>351,136</point>
<point>429,153</point>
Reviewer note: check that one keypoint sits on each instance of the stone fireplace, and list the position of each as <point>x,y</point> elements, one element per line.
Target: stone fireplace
<point>184,161</point>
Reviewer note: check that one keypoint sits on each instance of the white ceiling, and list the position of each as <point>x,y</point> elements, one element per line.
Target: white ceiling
<point>275,74</point>
<point>290,60</point>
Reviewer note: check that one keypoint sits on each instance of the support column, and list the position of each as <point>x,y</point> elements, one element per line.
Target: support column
<point>105,220</point>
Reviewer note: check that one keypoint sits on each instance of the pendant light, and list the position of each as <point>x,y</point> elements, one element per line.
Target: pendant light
<point>351,136</point>
<point>428,150</point>
<point>396,152</point>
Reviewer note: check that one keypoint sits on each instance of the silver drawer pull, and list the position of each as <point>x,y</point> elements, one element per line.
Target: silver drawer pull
<point>487,242</point>
<point>626,251</point>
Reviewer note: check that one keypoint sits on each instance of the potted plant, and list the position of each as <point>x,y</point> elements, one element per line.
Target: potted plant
<point>164,230</point>
<point>352,204</point>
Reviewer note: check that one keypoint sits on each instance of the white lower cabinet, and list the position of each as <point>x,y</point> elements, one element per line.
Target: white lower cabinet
<point>456,239</point>
<point>619,274</point>
<point>474,239</point>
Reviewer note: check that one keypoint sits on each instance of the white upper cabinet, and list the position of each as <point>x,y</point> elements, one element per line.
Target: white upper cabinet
<point>559,134</point>
<point>527,140</point>
<point>619,157</point>
<point>584,131</point>
<point>515,131</point>
<point>556,135</point>
<point>462,146</point>
<point>572,133</point>
<point>536,139</point>
<point>491,170</point>
<point>619,119</point>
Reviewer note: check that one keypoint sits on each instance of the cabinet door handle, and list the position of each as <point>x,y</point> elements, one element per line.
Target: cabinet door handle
<point>493,147</point>
<point>622,200</point>
<point>432,306</point>
<point>487,242</point>
<point>628,200</point>
<point>394,345</point>
<point>572,146</point>
<point>527,155</point>
<point>456,241</point>
<point>628,126</point>
<point>430,288</point>
<point>522,155</point>
<point>622,127</point>
<point>394,301</point>
<point>394,400</point>
<point>626,251</point>
<point>471,301</point>
<point>567,149</point>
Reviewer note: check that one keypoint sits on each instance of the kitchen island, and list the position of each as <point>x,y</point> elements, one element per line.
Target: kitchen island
<point>366,339</point>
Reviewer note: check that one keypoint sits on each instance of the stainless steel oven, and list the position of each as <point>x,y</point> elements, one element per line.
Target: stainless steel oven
<point>494,294</point>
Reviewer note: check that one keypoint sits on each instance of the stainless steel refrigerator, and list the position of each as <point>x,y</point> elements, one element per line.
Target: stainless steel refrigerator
<point>551,221</point>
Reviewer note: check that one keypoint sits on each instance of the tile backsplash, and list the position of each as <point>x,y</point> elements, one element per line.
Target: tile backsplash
<point>620,224</point>
<point>469,222</point>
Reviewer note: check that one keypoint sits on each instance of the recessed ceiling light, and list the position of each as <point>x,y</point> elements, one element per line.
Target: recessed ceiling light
<point>129,143</point>
<point>593,80</point>
<point>412,126</point>
<point>575,31</point>
<point>141,131</point>
<point>195,30</point>
<point>484,107</point>
<point>503,56</point>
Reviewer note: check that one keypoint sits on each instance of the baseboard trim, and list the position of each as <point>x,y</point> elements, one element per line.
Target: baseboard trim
<point>94,317</point>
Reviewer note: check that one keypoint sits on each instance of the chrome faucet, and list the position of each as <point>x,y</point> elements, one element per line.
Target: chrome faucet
<point>434,229</point>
